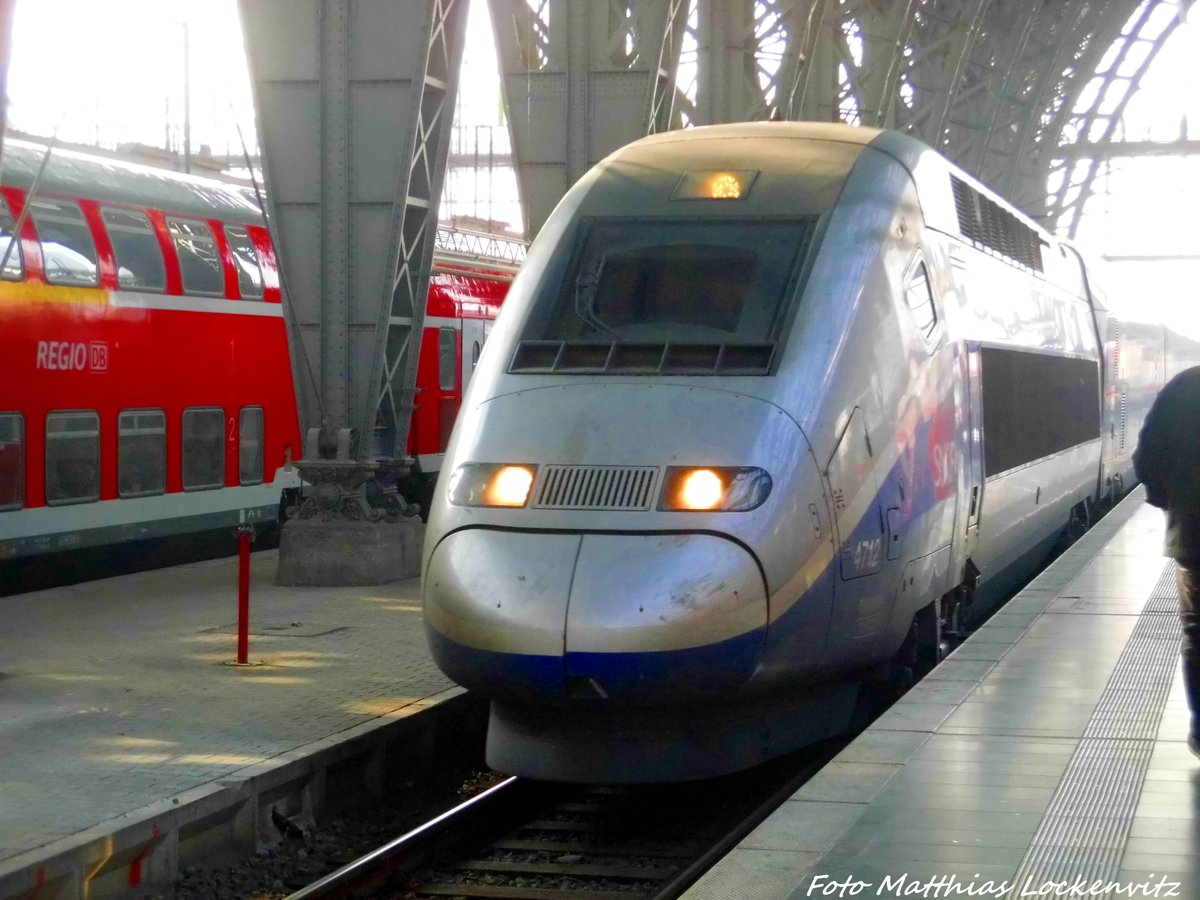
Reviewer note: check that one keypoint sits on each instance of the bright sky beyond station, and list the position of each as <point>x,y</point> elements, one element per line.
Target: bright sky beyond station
<point>111,73</point>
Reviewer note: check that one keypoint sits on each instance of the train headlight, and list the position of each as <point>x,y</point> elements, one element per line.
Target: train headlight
<point>723,489</point>
<point>491,484</point>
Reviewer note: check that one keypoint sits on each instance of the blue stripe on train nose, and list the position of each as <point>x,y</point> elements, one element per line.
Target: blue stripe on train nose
<point>490,672</point>
<point>638,676</point>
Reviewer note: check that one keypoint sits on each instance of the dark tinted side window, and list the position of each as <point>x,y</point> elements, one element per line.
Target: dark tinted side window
<point>142,453</point>
<point>12,461</point>
<point>72,457</point>
<point>198,259</point>
<point>139,258</point>
<point>203,449</point>
<point>1035,405</point>
<point>68,250</point>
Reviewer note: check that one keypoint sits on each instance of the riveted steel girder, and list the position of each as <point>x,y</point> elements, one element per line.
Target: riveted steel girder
<point>355,101</point>
<point>579,78</point>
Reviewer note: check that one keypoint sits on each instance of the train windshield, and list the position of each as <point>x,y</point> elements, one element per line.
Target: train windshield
<point>639,287</point>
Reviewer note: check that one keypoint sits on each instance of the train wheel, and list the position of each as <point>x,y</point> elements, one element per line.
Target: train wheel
<point>929,645</point>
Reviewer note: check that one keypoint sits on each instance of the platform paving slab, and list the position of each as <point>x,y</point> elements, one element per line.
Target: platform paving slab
<point>1049,746</point>
<point>116,695</point>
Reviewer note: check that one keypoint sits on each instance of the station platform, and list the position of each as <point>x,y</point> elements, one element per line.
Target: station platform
<point>128,744</point>
<point>1045,757</point>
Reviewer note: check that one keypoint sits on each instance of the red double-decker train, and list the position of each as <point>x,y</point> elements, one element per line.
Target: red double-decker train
<point>145,385</point>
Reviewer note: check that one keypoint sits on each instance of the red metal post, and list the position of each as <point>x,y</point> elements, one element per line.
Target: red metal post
<point>245,535</point>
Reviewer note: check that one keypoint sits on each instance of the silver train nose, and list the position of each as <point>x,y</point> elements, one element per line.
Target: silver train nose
<point>639,617</point>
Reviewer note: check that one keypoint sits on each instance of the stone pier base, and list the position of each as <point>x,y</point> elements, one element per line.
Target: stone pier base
<point>342,553</point>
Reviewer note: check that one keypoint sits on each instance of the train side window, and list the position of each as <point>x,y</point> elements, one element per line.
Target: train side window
<point>141,452</point>
<point>447,361</point>
<point>68,251</point>
<point>139,258</point>
<point>1063,390</point>
<point>919,295</point>
<point>245,258</point>
<point>10,250</point>
<point>198,258</point>
<point>72,457</point>
<point>203,449</point>
<point>12,461</point>
<point>250,445</point>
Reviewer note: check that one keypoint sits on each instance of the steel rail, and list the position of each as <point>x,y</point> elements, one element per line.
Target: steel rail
<point>383,860</point>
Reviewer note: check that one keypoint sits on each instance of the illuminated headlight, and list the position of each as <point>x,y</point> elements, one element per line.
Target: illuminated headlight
<point>491,484</point>
<point>716,489</point>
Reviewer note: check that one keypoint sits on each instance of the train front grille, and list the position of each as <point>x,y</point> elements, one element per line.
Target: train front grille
<point>596,487</point>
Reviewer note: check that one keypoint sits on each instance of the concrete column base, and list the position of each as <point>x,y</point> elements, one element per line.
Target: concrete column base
<point>341,553</point>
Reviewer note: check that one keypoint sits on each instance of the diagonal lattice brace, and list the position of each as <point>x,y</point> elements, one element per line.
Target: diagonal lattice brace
<point>402,313</point>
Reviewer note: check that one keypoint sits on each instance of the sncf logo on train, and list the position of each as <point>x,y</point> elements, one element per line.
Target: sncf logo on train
<point>72,356</point>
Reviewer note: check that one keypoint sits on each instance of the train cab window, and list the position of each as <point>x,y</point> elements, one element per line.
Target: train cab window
<point>245,258</point>
<point>447,359</point>
<point>68,251</point>
<point>712,287</point>
<point>198,259</point>
<point>141,453</point>
<point>250,445</point>
<point>12,461</point>
<point>139,258</point>
<point>919,294</point>
<point>72,457</point>
<point>10,250</point>
<point>203,449</point>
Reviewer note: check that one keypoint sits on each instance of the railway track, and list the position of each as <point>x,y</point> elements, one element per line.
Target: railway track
<point>534,841</point>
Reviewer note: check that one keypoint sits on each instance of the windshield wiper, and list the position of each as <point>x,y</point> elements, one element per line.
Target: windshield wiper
<point>585,296</point>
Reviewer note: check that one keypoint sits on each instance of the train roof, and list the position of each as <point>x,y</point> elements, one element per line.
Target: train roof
<point>74,174</point>
<point>815,131</point>
<point>930,170</point>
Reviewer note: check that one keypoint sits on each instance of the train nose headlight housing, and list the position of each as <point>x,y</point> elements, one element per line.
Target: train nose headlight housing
<point>492,484</point>
<point>714,489</point>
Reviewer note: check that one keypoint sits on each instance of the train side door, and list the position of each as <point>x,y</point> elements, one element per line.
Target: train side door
<point>860,608</point>
<point>474,333</point>
<point>974,420</point>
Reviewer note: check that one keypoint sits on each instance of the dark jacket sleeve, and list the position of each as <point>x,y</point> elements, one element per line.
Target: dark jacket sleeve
<point>1153,460</point>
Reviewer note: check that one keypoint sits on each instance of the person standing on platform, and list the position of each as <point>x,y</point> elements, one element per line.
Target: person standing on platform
<point>1167,462</point>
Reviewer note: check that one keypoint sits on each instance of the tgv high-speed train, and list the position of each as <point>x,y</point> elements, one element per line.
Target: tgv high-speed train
<point>768,406</point>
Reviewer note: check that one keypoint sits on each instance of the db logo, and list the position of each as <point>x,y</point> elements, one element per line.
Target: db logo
<point>98,353</point>
<point>72,356</point>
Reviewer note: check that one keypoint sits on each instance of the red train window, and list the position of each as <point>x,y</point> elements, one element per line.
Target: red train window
<point>198,258</point>
<point>12,461</point>
<point>447,359</point>
<point>68,251</point>
<point>142,453</point>
<point>203,449</point>
<point>245,258</point>
<point>250,445</point>
<point>72,457</point>
<point>139,258</point>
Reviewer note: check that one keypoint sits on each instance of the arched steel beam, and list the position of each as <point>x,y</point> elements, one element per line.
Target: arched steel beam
<point>1094,126</point>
